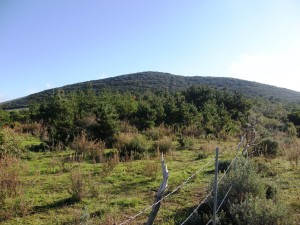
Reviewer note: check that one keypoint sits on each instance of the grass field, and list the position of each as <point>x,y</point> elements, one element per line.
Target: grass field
<point>114,191</point>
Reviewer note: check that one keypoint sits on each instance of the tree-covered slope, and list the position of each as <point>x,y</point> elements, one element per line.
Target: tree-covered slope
<point>157,81</point>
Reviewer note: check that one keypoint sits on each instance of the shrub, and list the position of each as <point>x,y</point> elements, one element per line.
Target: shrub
<point>267,147</point>
<point>244,181</point>
<point>93,187</point>
<point>164,145</point>
<point>294,156</point>
<point>191,131</point>
<point>77,189</point>
<point>10,168</point>
<point>122,139</point>
<point>34,128</point>
<point>249,201</point>
<point>125,127</point>
<point>61,164</point>
<point>109,165</point>
<point>291,129</point>
<point>293,153</point>
<point>138,145</point>
<point>20,206</point>
<point>10,143</point>
<point>186,142</point>
<point>201,155</point>
<point>12,196</point>
<point>259,211</point>
<point>131,145</point>
<point>92,149</point>
<point>156,133</point>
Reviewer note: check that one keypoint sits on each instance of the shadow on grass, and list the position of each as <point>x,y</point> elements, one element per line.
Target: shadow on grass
<point>128,187</point>
<point>199,217</point>
<point>209,172</point>
<point>39,209</point>
<point>58,204</point>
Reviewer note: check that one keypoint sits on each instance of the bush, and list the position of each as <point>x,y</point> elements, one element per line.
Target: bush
<point>10,143</point>
<point>293,156</point>
<point>12,196</point>
<point>249,201</point>
<point>125,127</point>
<point>260,212</point>
<point>131,145</point>
<point>76,190</point>
<point>163,145</point>
<point>10,168</point>
<point>92,149</point>
<point>291,130</point>
<point>244,181</point>
<point>156,133</point>
<point>201,155</point>
<point>293,153</point>
<point>268,148</point>
<point>186,142</point>
<point>34,128</point>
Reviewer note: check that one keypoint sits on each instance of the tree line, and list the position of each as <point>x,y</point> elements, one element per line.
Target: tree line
<point>210,111</point>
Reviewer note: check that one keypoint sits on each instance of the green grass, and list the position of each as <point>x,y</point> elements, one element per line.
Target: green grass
<point>124,189</point>
<point>28,140</point>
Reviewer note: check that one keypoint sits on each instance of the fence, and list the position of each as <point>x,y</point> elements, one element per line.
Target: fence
<point>155,206</point>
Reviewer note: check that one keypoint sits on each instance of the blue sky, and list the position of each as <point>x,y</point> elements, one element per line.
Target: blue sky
<point>46,44</point>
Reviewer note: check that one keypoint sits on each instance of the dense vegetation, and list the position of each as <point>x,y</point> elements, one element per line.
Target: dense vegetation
<point>95,154</point>
<point>208,111</point>
<point>157,81</point>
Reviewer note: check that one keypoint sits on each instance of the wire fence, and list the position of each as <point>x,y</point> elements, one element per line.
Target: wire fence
<point>191,177</point>
<point>169,194</point>
<point>224,174</point>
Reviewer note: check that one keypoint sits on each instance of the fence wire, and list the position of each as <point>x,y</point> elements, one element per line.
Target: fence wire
<point>224,174</point>
<point>166,196</point>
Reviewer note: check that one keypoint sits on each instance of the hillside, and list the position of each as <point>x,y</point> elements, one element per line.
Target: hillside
<point>158,81</point>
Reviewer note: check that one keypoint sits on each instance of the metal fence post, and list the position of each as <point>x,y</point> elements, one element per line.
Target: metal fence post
<point>216,188</point>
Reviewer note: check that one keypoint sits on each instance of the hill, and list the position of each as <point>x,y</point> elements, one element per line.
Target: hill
<point>158,81</point>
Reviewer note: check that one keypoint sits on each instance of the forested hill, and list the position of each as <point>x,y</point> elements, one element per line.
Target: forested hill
<point>157,81</point>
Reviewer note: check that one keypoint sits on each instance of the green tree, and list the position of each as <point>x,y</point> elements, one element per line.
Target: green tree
<point>291,129</point>
<point>4,118</point>
<point>145,116</point>
<point>199,95</point>
<point>106,122</point>
<point>126,105</point>
<point>58,115</point>
<point>294,117</point>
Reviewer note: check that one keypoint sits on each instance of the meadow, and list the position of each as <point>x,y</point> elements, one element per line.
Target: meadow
<point>59,187</point>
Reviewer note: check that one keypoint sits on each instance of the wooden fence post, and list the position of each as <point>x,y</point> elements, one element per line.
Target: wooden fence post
<point>160,192</point>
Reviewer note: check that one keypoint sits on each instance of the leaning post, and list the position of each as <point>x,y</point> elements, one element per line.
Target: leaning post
<point>160,192</point>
